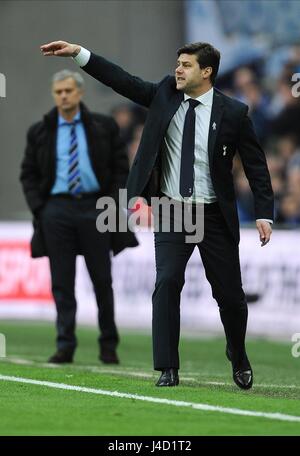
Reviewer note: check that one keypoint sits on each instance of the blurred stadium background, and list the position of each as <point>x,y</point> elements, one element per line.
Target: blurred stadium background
<point>259,57</point>
<point>260,46</point>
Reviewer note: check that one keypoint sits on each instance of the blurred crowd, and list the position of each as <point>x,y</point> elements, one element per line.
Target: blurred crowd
<point>266,87</point>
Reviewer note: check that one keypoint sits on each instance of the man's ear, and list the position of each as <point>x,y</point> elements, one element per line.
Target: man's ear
<point>207,72</point>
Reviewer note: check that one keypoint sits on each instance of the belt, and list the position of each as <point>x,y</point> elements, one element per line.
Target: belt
<point>208,207</point>
<point>78,196</point>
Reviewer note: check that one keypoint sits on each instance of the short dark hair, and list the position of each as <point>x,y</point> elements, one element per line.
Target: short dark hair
<point>207,56</point>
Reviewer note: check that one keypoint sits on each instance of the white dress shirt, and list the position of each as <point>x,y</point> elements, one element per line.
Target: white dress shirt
<point>171,158</point>
<point>82,57</point>
<point>203,189</point>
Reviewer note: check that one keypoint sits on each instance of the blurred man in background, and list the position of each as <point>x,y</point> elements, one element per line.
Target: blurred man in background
<point>72,158</point>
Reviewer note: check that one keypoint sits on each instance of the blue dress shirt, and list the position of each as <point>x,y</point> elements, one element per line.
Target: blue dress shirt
<point>89,181</point>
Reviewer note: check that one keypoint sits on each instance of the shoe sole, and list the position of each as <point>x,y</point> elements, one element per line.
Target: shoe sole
<point>243,387</point>
<point>59,362</point>
<point>168,385</point>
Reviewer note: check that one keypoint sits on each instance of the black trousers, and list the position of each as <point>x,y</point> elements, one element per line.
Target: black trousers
<point>69,226</point>
<point>220,256</point>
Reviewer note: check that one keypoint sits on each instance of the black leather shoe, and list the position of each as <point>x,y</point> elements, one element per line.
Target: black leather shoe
<point>169,377</point>
<point>109,356</point>
<point>61,357</point>
<point>242,377</point>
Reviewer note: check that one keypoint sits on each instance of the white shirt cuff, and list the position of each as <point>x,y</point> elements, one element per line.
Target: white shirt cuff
<point>82,57</point>
<point>265,220</point>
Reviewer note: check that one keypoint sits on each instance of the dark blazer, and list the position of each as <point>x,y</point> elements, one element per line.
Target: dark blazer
<point>229,125</point>
<point>38,170</point>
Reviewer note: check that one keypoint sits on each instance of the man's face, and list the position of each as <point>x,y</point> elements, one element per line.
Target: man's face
<point>189,75</point>
<point>67,95</point>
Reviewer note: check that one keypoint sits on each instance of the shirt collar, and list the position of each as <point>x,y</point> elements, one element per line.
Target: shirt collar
<point>62,121</point>
<point>206,98</point>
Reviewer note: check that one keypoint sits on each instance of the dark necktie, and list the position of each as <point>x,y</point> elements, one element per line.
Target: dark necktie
<point>74,181</point>
<point>186,185</point>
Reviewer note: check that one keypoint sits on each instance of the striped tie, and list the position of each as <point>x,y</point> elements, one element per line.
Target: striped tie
<point>74,182</point>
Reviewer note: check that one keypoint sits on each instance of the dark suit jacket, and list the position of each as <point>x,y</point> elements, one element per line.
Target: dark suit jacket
<point>108,158</point>
<point>233,128</point>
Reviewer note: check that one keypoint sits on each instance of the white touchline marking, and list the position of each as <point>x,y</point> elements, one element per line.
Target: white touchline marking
<point>125,371</point>
<point>194,405</point>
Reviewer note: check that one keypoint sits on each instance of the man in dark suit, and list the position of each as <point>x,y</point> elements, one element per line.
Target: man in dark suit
<point>72,158</point>
<point>190,137</point>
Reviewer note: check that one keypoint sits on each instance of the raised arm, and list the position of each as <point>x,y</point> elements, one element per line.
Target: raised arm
<point>132,87</point>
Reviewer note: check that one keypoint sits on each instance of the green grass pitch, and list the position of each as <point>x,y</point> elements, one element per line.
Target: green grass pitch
<point>205,374</point>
